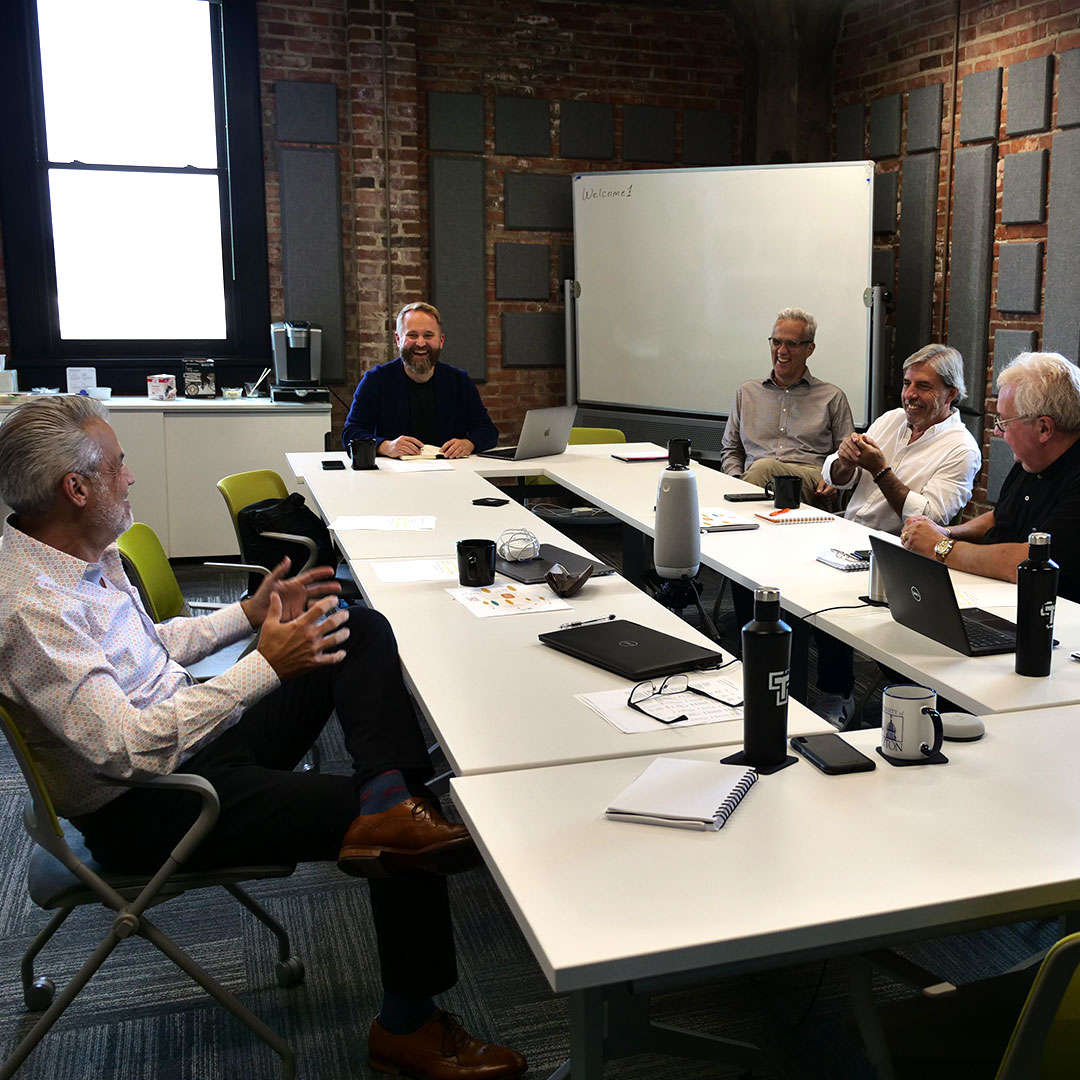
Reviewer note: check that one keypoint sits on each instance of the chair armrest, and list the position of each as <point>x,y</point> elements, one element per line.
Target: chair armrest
<point>244,568</point>
<point>301,541</point>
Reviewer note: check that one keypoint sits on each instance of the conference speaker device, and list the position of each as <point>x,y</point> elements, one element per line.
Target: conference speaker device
<point>677,548</point>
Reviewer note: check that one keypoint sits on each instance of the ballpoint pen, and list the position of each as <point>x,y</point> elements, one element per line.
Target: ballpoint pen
<point>586,622</point>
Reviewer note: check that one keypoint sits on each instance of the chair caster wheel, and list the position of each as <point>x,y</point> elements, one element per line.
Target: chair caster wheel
<point>290,972</point>
<point>39,995</point>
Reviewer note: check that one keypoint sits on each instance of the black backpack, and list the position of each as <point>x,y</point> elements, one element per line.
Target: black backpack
<point>288,515</point>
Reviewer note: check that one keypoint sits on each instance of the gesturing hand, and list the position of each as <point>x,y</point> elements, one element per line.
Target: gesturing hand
<point>307,642</point>
<point>296,593</point>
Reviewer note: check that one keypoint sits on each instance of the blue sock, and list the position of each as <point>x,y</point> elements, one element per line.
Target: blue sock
<point>401,1015</point>
<point>382,792</point>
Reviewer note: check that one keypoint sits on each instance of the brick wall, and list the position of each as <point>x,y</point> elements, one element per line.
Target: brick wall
<point>887,48</point>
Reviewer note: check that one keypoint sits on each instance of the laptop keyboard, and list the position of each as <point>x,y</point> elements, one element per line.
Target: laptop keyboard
<point>981,636</point>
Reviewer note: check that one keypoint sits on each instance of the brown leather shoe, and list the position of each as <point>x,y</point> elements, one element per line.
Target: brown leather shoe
<point>441,1050</point>
<point>408,838</point>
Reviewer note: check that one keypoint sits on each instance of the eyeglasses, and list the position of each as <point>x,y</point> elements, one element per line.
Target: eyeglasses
<point>673,684</point>
<point>791,343</point>
<point>1000,422</point>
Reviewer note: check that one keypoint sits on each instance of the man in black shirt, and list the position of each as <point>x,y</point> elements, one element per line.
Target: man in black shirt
<point>1039,417</point>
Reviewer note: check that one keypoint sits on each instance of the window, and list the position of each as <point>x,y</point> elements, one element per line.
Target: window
<point>132,195</point>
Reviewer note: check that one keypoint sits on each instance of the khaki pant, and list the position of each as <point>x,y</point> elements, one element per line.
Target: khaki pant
<point>766,468</point>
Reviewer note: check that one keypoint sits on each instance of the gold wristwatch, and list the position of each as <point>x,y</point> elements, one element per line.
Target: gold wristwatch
<point>943,547</point>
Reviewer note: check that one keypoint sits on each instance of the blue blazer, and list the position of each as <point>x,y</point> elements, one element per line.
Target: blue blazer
<point>380,407</point>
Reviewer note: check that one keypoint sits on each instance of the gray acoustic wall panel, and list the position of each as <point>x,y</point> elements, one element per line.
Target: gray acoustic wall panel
<point>521,272</point>
<point>885,187</point>
<point>1008,345</point>
<point>1029,96</point>
<point>924,119</point>
<point>587,130</point>
<point>311,248</point>
<point>538,201</point>
<point>533,339</point>
<point>980,105</point>
<point>1068,102</point>
<point>306,112</point>
<point>1019,276</point>
<point>915,275</point>
<point>972,253</point>
<point>648,133</point>
<point>458,287</point>
<point>1001,463</point>
<point>883,267</point>
<point>455,122</point>
<point>566,263</point>
<point>707,137</point>
<point>885,127</point>
<point>522,126</point>
<point>851,133</point>
<point>1023,188</point>
<point>1061,319</point>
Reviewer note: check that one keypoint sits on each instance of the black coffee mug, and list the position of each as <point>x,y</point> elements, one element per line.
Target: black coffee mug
<point>476,562</point>
<point>362,453</point>
<point>786,492</point>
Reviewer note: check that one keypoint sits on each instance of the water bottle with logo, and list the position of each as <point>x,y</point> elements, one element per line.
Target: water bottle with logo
<point>766,660</point>
<point>1036,599</point>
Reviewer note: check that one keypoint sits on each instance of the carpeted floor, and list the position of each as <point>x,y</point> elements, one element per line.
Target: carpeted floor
<point>141,1018</point>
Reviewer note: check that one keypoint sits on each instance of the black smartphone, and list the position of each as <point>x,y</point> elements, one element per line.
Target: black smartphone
<point>333,463</point>
<point>862,553</point>
<point>831,754</point>
<point>748,496</point>
<point>490,502</point>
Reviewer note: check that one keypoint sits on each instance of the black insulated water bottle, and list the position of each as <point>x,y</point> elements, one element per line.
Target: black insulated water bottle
<point>1036,599</point>
<point>766,660</point>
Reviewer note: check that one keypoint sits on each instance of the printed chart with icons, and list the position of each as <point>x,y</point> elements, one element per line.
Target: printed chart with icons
<point>492,601</point>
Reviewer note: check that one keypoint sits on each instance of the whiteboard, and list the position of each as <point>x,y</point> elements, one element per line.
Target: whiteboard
<point>680,273</point>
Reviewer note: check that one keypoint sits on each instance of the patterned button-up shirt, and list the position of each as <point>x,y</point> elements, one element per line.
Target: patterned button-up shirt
<point>96,688</point>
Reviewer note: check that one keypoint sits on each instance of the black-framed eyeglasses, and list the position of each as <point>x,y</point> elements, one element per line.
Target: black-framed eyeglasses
<point>1000,422</point>
<point>673,684</point>
<point>791,343</point>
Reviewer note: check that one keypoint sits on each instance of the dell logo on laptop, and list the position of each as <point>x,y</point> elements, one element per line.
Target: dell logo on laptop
<point>627,644</point>
<point>916,594</point>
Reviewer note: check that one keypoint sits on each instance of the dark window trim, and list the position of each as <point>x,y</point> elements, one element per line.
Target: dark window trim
<point>26,223</point>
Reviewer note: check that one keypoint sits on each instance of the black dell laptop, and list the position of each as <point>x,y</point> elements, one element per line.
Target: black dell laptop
<point>921,597</point>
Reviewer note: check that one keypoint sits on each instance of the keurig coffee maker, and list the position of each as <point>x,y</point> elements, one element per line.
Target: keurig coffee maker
<point>297,350</point>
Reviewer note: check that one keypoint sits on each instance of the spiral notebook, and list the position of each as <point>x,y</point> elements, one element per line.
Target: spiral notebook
<point>794,517</point>
<point>684,793</point>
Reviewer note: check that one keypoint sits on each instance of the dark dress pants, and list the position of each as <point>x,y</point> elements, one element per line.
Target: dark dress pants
<point>269,813</point>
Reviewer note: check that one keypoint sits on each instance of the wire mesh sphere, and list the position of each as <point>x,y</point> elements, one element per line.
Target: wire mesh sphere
<point>517,545</point>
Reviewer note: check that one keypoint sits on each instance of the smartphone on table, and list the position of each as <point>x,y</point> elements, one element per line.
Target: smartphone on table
<point>831,754</point>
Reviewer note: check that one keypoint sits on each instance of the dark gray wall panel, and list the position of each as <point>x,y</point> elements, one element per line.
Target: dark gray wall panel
<point>883,267</point>
<point>851,133</point>
<point>455,122</point>
<point>648,133</point>
<point>885,127</point>
<point>980,105</point>
<point>1029,96</point>
<point>915,278</point>
<point>521,272</point>
<point>971,256</point>
<point>306,112</point>
<point>533,339</point>
<point>1023,188</point>
<point>586,130</point>
<point>538,201</point>
<point>522,126</point>
<point>707,137</point>
<point>566,263</point>
<point>1061,321</point>
<point>311,248</point>
<point>1001,461</point>
<point>1068,106</point>
<point>1019,275</point>
<point>456,194</point>
<point>885,185</point>
<point>924,119</point>
<point>1008,345</point>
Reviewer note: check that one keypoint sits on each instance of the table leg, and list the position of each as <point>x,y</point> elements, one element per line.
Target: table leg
<point>586,1034</point>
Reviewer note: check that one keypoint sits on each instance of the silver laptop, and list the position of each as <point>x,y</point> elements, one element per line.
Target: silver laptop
<point>545,432</point>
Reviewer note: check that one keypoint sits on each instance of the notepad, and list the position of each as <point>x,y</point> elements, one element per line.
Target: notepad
<point>717,519</point>
<point>844,560</point>
<point>793,517</point>
<point>684,793</point>
<point>427,453</point>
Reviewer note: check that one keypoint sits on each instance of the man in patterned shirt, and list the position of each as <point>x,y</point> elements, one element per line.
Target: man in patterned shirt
<point>101,694</point>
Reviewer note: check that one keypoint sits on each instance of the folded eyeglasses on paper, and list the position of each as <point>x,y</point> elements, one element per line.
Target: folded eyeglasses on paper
<point>672,685</point>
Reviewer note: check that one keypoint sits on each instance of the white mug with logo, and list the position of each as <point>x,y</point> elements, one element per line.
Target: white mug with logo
<point>910,723</point>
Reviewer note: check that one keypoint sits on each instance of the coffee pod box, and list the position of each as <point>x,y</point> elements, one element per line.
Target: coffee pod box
<point>161,387</point>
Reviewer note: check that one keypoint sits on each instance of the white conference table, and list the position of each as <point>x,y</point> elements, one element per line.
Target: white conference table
<point>808,866</point>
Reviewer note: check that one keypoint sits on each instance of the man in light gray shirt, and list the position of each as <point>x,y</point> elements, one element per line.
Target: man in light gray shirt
<point>788,422</point>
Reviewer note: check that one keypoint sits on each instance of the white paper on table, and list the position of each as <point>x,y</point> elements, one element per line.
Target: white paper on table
<point>494,601</point>
<point>417,570</point>
<point>999,594</point>
<point>384,522</point>
<point>419,465</point>
<point>611,705</point>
